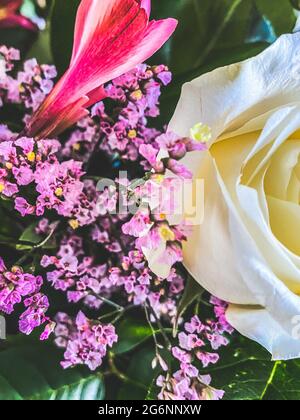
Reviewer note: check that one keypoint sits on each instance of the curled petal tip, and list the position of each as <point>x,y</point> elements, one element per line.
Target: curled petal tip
<point>146,4</point>
<point>111,37</point>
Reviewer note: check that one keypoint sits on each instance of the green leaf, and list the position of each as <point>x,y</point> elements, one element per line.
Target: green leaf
<point>132,333</point>
<point>139,370</point>
<point>245,372</point>
<point>295,4</point>
<point>62,29</point>
<point>31,371</point>
<point>206,25</point>
<point>218,34</point>
<point>279,13</point>
<point>30,235</point>
<point>219,58</point>
<point>41,48</point>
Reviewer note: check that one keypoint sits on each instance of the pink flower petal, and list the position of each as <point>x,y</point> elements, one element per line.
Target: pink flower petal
<point>146,4</point>
<point>10,18</point>
<point>11,5</point>
<point>98,16</point>
<point>14,21</point>
<point>111,38</point>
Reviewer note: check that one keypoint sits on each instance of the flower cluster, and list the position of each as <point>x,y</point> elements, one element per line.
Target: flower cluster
<point>77,274</point>
<point>120,125</point>
<point>32,175</point>
<point>18,287</point>
<point>167,149</point>
<point>136,97</point>
<point>28,87</point>
<point>157,223</point>
<point>192,387</point>
<point>103,256</point>
<point>85,341</point>
<point>187,383</point>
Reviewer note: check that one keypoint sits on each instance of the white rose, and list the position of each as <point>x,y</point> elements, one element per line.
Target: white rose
<point>247,250</point>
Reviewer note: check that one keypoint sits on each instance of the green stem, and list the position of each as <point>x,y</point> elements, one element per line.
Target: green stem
<point>152,330</point>
<point>111,303</point>
<point>270,380</point>
<point>162,329</point>
<point>210,46</point>
<point>122,376</point>
<point>37,246</point>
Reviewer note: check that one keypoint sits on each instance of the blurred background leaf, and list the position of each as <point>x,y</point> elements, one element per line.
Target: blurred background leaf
<point>30,370</point>
<point>61,32</point>
<point>279,13</point>
<point>216,33</point>
<point>132,333</point>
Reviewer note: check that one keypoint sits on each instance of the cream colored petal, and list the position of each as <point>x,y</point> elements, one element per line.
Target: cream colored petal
<point>227,98</point>
<point>272,250</point>
<point>280,171</point>
<point>279,127</point>
<point>229,263</point>
<point>271,293</point>
<point>234,253</point>
<point>208,254</point>
<point>285,223</point>
<point>154,258</point>
<point>293,191</point>
<point>230,156</point>
<point>258,325</point>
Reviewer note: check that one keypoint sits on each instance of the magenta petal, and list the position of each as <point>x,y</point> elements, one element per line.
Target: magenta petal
<point>14,21</point>
<point>146,4</point>
<point>111,38</point>
<point>94,15</point>
<point>11,5</point>
<point>96,95</point>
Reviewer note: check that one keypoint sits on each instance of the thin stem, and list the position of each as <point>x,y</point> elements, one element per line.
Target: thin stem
<point>108,315</point>
<point>211,44</point>
<point>122,313</point>
<point>152,330</point>
<point>162,329</point>
<point>120,375</point>
<point>111,303</point>
<point>37,246</point>
<point>118,308</point>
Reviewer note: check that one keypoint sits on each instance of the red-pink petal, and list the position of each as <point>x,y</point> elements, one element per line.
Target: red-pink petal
<point>94,15</point>
<point>14,21</point>
<point>111,37</point>
<point>11,5</point>
<point>146,4</point>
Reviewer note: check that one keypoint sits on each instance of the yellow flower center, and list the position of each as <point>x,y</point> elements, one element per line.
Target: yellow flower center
<point>158,178</point>
<point>2,186</point>
<point>132,134</point>
<point>74,224</point>
<point>201,132</point>
<point>16,269</point>
<point>59,192</point>
<point>31,156</point>
<point>8,165</point>
<point>76,147</point>
<point>137,94</point>
<point>166,233</point>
